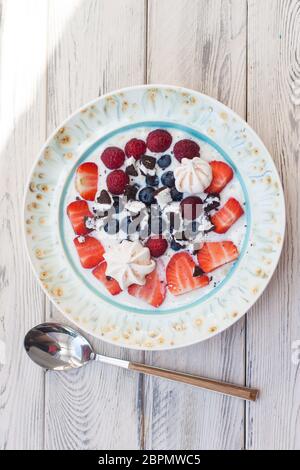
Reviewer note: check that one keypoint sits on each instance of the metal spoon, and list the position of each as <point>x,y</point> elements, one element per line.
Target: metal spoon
<point>59,347</point>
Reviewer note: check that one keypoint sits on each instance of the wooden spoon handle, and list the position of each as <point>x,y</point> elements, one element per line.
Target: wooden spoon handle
<point>214,385</point>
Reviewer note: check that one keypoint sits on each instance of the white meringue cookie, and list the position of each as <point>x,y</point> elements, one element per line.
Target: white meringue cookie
<point>193,176</point>
<point>129,263</point>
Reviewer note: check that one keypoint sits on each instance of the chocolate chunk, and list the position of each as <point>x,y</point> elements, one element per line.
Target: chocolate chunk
<point>131,171</point>
<point>212,202</point>
<point>197,271</point>
<point>104,197</point>
<point>130,192</point>
<point>209,230</point>
<point>148,162</point>
<point>152,180</point>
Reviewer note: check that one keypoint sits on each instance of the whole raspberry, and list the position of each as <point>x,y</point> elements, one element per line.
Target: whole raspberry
<point>113,157</point>
<point>157,246</point>
<point>159,140</point>
<point>186,148</point>
<point>135,148</point>
<point>116,181</point>
<point>191,207</point>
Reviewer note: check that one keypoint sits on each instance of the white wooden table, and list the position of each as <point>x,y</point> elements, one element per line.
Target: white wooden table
<point>55,56</point>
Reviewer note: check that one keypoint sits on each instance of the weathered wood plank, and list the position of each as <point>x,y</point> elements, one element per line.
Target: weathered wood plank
<point>196,43</point>
<point>99,48</point>
<point>22,123</point>
<point>273,325</point>
<point>204,47</point>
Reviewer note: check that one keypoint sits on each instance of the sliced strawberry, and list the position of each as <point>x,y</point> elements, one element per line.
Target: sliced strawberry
<point>227,216</point>
<point>215,254</point>
<point>181,274</point>
<point>78,211</point>
<point>90,251</point>
<point>222,174</point>
<point>153,292</point>
<point>86,182</point>
<point>111,284</point>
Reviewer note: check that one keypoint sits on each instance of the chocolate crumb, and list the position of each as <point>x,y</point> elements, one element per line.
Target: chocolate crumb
<point>152,180</point>
<point>131,171</point>
<point>148,162</point>
<point>211,229</point>
<point>197,271</point>
<point>211,203</point>
<point>104,197</point>
<point>130,192</point>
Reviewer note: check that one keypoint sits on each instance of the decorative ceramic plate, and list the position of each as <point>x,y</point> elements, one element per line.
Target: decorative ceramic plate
<point>111,120</point>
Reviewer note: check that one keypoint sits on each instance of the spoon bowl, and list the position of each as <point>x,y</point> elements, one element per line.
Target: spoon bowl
<point>57,347</point>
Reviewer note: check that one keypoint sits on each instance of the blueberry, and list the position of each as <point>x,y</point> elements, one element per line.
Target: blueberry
<point>173,222</point>
<point>168,179</point>
<point>146,195</point>
<point>112,227</point>
<point>175,246</point>
<point>195,226</point>
<point>164,161</point>
<point>191,229</point>
<point>152,180</point>
<point>117,204</point>
<point>176,195</point>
